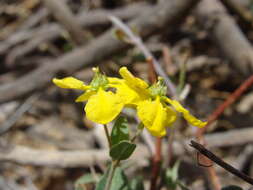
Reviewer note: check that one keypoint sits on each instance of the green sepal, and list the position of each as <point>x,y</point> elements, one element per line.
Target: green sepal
<point>158,89</point>
<point>120,131</point>
<point>99,80</point>
<point>122,150</point>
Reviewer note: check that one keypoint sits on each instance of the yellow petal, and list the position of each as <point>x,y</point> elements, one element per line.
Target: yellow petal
<point>70,82</point>
<point>178,107</point>
<point>186,114</point>
<point>103,107</point>
<point>131,80</point>
<point>114,80</point>
<point>194,121</point>
<point>128,95</point>
<point>154,116</point>
<point>171,116</point>
<point>85,96</point>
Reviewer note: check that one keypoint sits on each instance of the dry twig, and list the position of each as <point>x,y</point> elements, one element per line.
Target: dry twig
<point>98,49</point>
<point>63,14</point>
<point>226,34</point>
<point>72,159</point>
<point>220,162</point>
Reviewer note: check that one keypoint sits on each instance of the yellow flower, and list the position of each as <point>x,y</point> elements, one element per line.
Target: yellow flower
<point>155,110</point>
<point>102,106</point>
<point>151,103</point>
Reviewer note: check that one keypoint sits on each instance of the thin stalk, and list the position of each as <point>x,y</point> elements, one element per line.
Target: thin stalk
<point>140,129</point>
<point>111,174</point>
<point>182,75</point>
<point>107,135</point>
<point>167,159</point>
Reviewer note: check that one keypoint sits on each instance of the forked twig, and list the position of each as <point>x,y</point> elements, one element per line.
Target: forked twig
<point>220,162</point>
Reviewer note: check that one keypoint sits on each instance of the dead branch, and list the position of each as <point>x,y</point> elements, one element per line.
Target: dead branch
<point>100,48</point>
<point>26,105</point>
<point>238,7</point>
<point>63,14</point>
<point>70,159</point>
<point>220,162</point>
<point>85,19</point>
<point>226,34</point>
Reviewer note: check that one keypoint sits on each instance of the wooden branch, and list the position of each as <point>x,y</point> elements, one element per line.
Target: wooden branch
<point>238,7</point>
<point>220,162</point>
<point>77,158</point>
<point>226,34</point>
<point>165,13</point>
<point>63,14</point>
<point>85,19</point>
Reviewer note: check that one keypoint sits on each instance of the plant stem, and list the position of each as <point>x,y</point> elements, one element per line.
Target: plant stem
<point>111,174</point>
<point>182,75</point>
<point>107,135</point>
<point>140,129</point>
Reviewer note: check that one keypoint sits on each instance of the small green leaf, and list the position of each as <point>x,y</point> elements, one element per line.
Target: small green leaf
<point>232,187</point>
<point>171,176</point>
<point>120,131</point>
<point>182,186</point>
<point>122,150</point>
<point>119,181</point>
<point>137,183</point>
<point>84,179</point>
<point>101,184</point>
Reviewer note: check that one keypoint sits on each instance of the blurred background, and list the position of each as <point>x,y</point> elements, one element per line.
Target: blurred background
<point>203,46</point>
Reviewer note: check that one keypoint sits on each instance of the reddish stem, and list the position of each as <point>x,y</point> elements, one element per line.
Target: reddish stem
<point>230,100</point>
<point>156,161</point>
<point>156,164</point>
<point>217,112</point>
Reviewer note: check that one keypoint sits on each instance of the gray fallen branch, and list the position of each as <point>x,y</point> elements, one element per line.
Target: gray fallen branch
<point>149,22</point>
<point>71,159</point>
<point>226,34</point>
<point>24,107</point>
<point>66,18</point>
<point>85,19</point>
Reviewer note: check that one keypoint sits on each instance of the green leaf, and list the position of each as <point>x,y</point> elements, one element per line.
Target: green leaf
<point>122,150</point>
<point>101,184</point>
<point>81,181</point>
<point>182,186</point>
<point>232,187</point>
<point>137,183</point>
<point>171,176</point>
<point>119,181</point>
<point>120,131</point>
